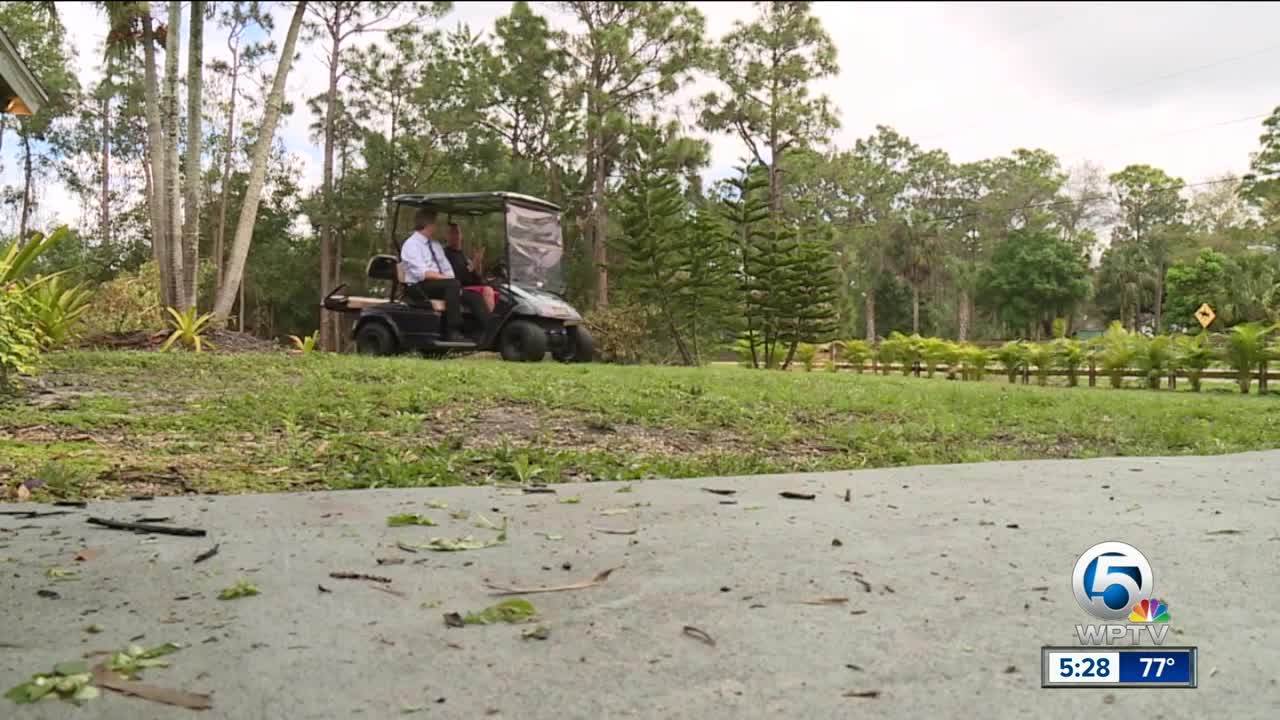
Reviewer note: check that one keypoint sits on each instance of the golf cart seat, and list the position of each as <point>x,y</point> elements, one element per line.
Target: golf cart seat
<point>389,267</point>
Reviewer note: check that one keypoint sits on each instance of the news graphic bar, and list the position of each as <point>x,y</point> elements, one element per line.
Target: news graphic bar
<point>1170,667</point>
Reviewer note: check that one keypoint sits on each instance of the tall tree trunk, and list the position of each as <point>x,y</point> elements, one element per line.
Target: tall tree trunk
<point>915,309</point>
<point>27,201</point>
<point>326,340</point>
<point>106,171</point>
<point>172,189</point>
<point>157,197</point>
<point>1159,296</point>
<point>599,225</point>
<point>964,316</point>
<point>257,173</point>
<point>869,310</point>
<point>191,225</point>
<point>219,241</point>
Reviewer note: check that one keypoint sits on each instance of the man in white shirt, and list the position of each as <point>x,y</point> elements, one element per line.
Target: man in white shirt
<point>428,275</point>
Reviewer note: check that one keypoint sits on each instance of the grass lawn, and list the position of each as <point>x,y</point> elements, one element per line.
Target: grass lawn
<point>116,423</point>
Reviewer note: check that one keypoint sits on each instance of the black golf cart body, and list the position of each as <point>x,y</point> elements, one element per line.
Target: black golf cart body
<point>530,317</point>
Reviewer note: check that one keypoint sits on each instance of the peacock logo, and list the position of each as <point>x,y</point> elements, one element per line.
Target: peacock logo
<point>1147,611</point>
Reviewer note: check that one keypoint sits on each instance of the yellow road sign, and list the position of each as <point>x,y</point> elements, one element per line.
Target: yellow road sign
<point>1205,315</point>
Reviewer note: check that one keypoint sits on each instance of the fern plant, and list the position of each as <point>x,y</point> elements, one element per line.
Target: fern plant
<point>1041,356</point>
<point>807,354</point>
<point>1013,356</point>
<point>1245,350</point>
<point>1117,353</point>
<point>1195,355</point>
<point>975,360</point>
<point>188,330</point>
<point>1156,358</point>
<point>856,353</point>
<point>1071,355</point>
<point>937,351</point>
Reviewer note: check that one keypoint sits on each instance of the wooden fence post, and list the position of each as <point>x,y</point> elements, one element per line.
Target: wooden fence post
<point>1173,380</point>
<point>1262,378</point>
<point>1093,374</point>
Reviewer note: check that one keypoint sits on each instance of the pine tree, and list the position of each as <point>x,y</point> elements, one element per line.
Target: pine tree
<point>673,260</point>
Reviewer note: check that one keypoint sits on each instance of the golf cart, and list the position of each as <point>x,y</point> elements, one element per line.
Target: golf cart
<point>530,316</point>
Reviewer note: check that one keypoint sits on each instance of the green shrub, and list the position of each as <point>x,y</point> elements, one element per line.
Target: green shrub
<point>975,360</point>
<point>1013,356</point>
<point>1246,349</point>
<point>1156,357</point>
<point>129,303</point>
<point>1041,357</point>
<point>56,310</point>
<point>621,334</point>
<point>856,353</point>
<point>1117,353</point>
<point>1059,328</point>
<point>1195,355</point>
<point>19,341</point>
<point>807,356</point>
<point>1071,355</point>
<point>937,351</point>
<point>896,349</point>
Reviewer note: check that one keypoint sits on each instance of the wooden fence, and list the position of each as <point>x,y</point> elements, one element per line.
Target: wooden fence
<point>1085,373</point>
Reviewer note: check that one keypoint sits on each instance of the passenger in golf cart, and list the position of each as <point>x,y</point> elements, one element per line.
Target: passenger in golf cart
<point>428,275</point>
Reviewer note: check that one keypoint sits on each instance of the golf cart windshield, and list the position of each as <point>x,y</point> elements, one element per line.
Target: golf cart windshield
<point>534,245</point>
<point>534,248</point>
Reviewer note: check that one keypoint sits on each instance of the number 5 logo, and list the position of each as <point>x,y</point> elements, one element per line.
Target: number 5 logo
<point>1110,578</point>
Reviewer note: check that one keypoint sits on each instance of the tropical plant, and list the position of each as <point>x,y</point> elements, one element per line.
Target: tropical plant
<point>1195,355</point>
<point>1246,348</point>
<point>1071,355</point>
<point>975,360</point>
<point>1041,357</point>
<point>896,349</point>
<point>1156,357</point>
<point>56,310</point>
<point>188,329</point>
<point>19,342</point>
<point>1013,356</point>
<point>937,351</point>
<point>807,354</point>
<point>307,345</point>
<point>856,353</point>
<point>1117,353</point>
<point>17,258</point>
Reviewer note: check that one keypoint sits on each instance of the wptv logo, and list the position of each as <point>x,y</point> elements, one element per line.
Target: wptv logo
<point>1113,582</point>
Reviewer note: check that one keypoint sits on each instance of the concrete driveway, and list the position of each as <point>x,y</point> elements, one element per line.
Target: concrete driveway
<point>955,576</point>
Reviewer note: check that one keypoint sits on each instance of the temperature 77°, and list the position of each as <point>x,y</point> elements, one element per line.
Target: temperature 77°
<point>1160,664</point>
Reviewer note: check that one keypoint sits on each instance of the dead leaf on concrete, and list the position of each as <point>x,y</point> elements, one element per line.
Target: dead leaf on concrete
<point>1225,532</point>
<point>610,531</point>
<point>699,635</point>
<point>87,554</point>
<point>599,579</point>
<point>827,601</point>
<point>719,491</point>
<point>862,694</point>
<point>454,619</point>
<point>788,494</point>
<point>102,677</point>
<point>390,561</point>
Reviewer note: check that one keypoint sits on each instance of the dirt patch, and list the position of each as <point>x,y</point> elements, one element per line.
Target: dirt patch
<point>224,341</point>
<point>524,425</point>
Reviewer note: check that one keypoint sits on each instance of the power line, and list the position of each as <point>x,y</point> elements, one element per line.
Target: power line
<point>1059,202</point>
<point>1183,131</point>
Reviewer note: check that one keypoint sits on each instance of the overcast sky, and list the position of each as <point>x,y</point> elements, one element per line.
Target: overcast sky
<point>1182,86</point>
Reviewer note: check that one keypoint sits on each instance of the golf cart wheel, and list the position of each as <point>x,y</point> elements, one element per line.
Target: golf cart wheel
<point>523,341</point>
<point>578,347</point>
<point>375,338</point>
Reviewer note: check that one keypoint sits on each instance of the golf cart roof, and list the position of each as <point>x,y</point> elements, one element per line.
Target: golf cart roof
<point>479,203</point>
